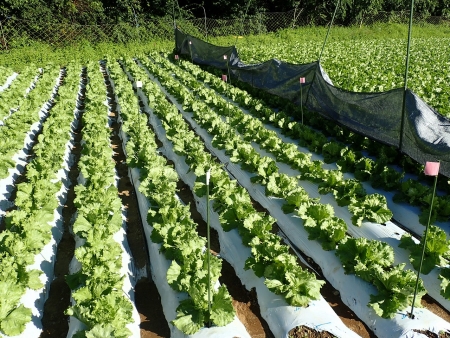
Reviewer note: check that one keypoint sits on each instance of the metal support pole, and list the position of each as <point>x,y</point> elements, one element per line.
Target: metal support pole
<point>228,71</point>
<point>328,31</point>
<point>174,25</point>
<point>208,173</point>
<point>190,49</point>
<point>402,124</point>
<point>226,85</point>
<point>323,47</point>
<point>411,315</point>
<point>302,80</point>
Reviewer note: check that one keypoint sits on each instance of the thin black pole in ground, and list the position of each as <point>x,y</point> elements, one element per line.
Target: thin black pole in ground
<point>302,81</point>
<point>174,24</point>
<point>323,48</point>
<point>431,169</point>
<point>328,31</point>
<point>402,124</point>
<point>190,51</point>
<point>225,57</point>
<point>139,86</point>
<point>227,78</point>
<point>208,239</point>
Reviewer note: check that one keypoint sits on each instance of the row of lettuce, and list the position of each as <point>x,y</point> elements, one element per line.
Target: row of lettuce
<point>27,228</point>
<point>22,113</point>
<point>98,299</point>
<point>5,73</point>
<point>15,92</point>
<point>319,220</point>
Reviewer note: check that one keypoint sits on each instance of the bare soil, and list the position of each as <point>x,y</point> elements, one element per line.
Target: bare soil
<point>147,299</point>
<point>433,306</point>
<point>304,331</point>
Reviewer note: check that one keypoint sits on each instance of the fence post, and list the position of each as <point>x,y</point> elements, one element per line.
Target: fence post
<point>206,29</point>
<point>295,12</point>
<point>3,35</point>
<point>293,19</point>
<point>242,25</point>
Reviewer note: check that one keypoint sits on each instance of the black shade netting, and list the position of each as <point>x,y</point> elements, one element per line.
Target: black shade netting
<point>424,134</point>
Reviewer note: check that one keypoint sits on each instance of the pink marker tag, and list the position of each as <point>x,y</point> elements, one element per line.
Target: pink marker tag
<point>302,80</point>
<point>176,57</point>
<point>432,168</point>
<point>224,77</point>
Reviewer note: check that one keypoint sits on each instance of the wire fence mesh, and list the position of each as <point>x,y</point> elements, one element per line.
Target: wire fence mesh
<point>18,33</point>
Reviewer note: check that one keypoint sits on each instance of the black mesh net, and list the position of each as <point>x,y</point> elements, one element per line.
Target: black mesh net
<point>424,134</point>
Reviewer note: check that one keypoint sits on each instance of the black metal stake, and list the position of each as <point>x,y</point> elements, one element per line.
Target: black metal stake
<point>209,246</point>
<point>302,81</point>
<point>190,51</point>
<point>411,315</point>
<point>402,124</point>
<point>323,48</point>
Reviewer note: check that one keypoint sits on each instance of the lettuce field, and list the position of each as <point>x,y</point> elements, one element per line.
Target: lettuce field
<point>114,174</point>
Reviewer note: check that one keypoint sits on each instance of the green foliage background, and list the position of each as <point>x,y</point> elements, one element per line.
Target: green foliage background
<point>115,11</point>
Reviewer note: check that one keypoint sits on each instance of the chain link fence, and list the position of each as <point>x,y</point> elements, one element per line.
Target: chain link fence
<point>19,33</point>
<point>16,33</point>
<point>401,18</point>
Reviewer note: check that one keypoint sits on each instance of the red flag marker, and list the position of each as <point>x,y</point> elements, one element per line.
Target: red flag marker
<point>176,57</point>
<point>302,80</point>
<point>432,168</point>
<point>224,77</point>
